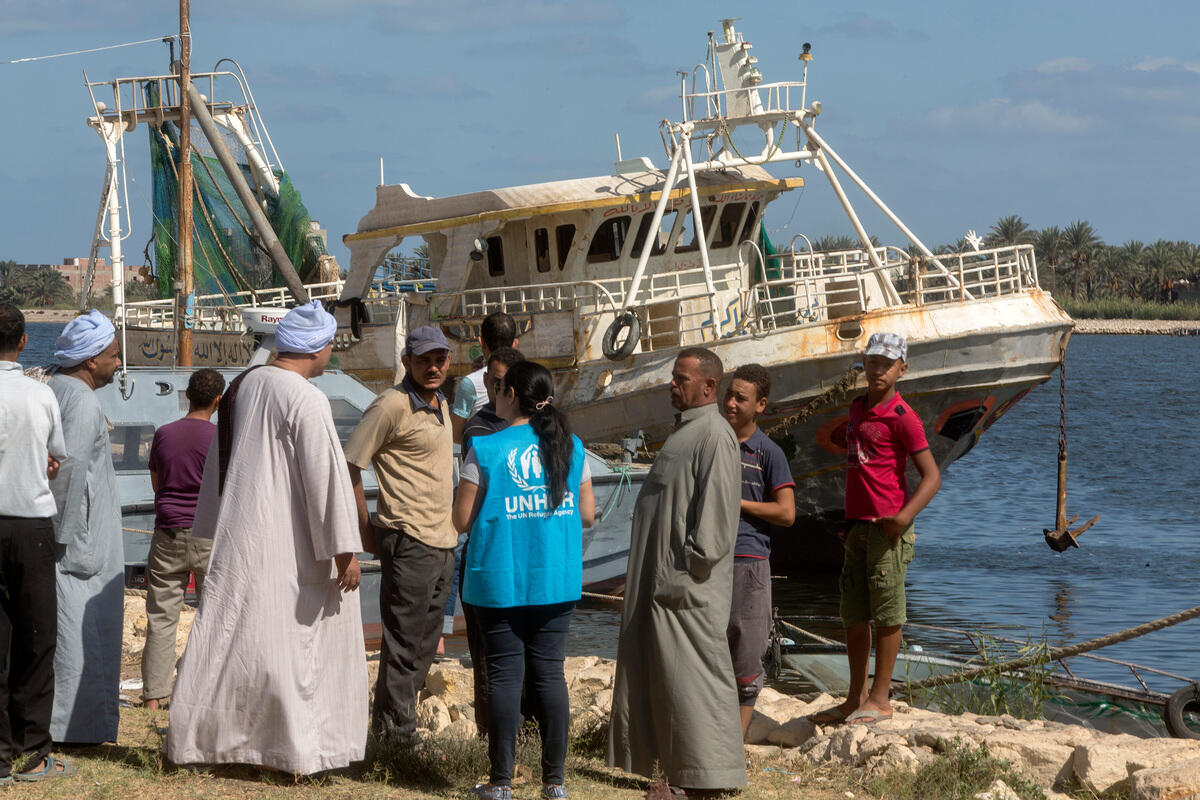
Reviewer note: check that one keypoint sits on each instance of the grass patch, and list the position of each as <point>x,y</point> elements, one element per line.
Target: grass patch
<point>1022,695</point>
<point>962,772</point>
<point>1129,308</point>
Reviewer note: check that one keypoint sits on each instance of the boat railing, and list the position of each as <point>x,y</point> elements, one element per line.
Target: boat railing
<point>776,98</point>
<point>222,312</point>
<point>810,287</point>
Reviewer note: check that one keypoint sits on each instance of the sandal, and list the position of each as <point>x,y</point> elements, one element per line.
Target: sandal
<point>54,768</point>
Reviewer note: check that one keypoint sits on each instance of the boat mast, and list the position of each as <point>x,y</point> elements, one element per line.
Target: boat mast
<point>184,281</point>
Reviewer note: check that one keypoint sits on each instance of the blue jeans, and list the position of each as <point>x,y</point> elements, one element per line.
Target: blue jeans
<point>537,636</point>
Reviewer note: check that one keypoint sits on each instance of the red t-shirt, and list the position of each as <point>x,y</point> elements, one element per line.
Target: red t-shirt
<point>878,444</point>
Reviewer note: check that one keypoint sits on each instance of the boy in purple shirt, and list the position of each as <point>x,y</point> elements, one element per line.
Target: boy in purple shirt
<point>768,498</point>
<point>177,457</point>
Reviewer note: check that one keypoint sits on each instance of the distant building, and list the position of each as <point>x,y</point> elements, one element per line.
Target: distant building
<point>75,271</point>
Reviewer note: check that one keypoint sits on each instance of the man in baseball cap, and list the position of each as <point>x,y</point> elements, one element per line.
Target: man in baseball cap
<point>406,435</point>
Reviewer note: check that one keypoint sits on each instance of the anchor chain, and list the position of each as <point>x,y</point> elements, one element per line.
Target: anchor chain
<point>844,384</point>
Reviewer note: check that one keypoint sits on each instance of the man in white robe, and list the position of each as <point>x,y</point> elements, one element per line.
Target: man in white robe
<point>275,669</point>
<point>90,556</point>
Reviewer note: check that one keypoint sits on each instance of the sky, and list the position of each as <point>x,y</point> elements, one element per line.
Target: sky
<point>956,113</point>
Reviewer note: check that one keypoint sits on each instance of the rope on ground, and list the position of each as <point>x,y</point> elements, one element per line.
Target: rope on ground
<point>802,632</point>
<point>1058,653</point>
<point>138,530</point>
<point>607,598</point>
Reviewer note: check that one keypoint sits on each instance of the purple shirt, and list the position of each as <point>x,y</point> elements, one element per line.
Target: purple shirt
<point>177,457</point>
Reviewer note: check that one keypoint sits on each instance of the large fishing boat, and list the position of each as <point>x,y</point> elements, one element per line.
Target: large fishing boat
<point>608,277</point>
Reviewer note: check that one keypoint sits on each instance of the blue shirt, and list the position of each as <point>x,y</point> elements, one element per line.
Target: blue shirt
<point>764,470</point>
<point>521,553</point>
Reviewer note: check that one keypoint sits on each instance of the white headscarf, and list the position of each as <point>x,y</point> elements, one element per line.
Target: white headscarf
<point>305,329</point>
<point>84,337</point>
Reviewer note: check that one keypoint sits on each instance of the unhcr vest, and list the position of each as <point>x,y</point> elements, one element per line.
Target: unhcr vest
<point>520,552</point>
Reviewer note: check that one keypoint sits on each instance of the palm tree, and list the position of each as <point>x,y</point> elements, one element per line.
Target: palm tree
<point>1159,259</point>
<point>1079,241</point>
<point>45,286</point>
<point>1131,254</point>
<point>1009,231</point>
<point>832,243</point>
<point>1046,247</point>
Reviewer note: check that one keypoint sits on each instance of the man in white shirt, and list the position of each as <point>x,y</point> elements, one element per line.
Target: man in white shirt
<point>31,446</point>
<point>498,330</point>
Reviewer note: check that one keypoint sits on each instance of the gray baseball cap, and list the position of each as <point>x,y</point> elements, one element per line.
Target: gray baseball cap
<point>888,345</point>
<point>424,339</point>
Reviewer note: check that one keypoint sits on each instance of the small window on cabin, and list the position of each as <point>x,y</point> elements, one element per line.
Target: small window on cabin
<point>564,235</point>
<point>609,240</point>
<point>727,227</point>
<point>659,246</point>
<point>689,233</point>
<point>748,230</point>
<point>130,447</point>
<point>495,255</point>
<point>541,249</point>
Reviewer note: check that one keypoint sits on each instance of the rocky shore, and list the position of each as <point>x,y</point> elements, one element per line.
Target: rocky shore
<point>1166,327</point>
<point>1060,758</point>
<point>49,314</point>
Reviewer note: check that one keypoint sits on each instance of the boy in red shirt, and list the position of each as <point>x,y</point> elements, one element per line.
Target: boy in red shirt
<point>883,433</point>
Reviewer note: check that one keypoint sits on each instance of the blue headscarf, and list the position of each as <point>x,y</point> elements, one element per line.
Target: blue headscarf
<point>305,329</point>
<point>84,337</point>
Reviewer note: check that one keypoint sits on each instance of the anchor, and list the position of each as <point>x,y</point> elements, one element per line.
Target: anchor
<point>1063,536</point>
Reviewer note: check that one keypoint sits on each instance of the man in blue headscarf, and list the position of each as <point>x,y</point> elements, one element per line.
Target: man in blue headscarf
<point>275,671</point>
<point>87,530</point>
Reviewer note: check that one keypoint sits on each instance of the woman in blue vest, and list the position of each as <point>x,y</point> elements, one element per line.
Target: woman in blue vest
<point>525,495</point>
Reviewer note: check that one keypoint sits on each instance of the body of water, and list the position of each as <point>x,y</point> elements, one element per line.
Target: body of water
<point>981,562</point>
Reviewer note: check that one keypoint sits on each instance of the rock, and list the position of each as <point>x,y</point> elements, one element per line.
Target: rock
<point>1106,765</point>
<point>432,714</point>
<point>1038,755</point>
<point>592,679</point>
<point>896,756</point>
<point>575,664</point>
<point>817,750</point>
<point>763,752</point>
<point>603,700</point>
<point>879,744</point>
<point>845,742</point>
<point>999,790</point>
<point>760,728</point>
<point>461,728</point>
<point>1178,781</point>
<point>792,733</point>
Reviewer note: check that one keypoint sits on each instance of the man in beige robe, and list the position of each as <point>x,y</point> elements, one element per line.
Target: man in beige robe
<point>675,700</point>
<point>275,671</point>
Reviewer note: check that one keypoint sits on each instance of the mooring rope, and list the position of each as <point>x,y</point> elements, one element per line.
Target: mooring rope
<point>1057,653</point>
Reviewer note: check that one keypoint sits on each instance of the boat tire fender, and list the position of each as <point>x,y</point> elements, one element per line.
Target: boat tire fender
<point>358,314</point>
<point>625,319</point>
<point>1184,701</point>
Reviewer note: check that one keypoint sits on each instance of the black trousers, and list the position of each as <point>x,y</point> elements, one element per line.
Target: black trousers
<point>415,581</point>
<point>28,631</point>
<point>535,636</point>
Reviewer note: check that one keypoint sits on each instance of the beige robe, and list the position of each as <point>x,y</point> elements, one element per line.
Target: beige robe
<point>275,671</point>
<point>675,698</point>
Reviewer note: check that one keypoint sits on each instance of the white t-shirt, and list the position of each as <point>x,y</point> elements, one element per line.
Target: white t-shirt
<point>30,429</point>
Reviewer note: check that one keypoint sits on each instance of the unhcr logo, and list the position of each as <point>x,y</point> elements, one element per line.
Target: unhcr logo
<point>525,469</point>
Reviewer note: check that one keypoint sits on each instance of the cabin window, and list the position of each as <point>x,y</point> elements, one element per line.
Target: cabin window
<point>130,447</point>
<point>659,246</point>
<point>689,233</point>
<point>727,227</point>
<point>541,249</point>
<point>495,255</point>
<point>564,235</point>
<point>346,416</point>
<point>609,240</point>
<point>748,231</point>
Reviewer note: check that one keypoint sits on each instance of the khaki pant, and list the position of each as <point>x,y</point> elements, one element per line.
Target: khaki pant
<point>174,554</point>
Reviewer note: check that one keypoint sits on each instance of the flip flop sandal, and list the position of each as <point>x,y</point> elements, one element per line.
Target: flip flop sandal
<point>51,770</point>
<point>829,716</point>
<point>867,717</point>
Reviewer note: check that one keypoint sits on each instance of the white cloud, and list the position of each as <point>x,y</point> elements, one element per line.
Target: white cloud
<point>1064,64</point>
<point>1003,116</point>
